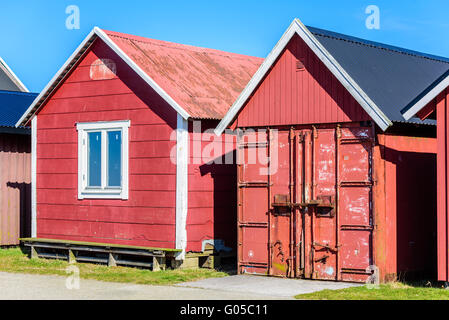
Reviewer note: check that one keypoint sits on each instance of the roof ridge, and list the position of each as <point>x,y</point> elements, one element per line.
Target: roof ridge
<point>167,44</point>
<point>378,45</point>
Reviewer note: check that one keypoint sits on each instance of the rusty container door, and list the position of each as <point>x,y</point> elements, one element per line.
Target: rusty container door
<point>337,221</point>
<point>282,245</point>
<point>355,204</point>
<point>319,207</point>
<point>337,208</point>
<point>307,212</point>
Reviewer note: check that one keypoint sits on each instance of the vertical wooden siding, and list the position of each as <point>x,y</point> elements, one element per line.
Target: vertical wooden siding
<point>15,192</point>
<point>148,217</point>
<point>289,96</point>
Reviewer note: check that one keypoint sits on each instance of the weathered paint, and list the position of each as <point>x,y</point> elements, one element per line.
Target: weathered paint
<point>307,240</point>
<point>15,188</point>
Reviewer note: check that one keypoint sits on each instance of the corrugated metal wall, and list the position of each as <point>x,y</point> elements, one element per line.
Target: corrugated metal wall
<point>15,188</point>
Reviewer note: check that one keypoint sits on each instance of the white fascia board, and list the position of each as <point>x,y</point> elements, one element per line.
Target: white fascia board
<point>141,73</point>
<point>53,80</point>
<point>13,76</point>
<point>182,159</point>
<point>33,177</point>
<point>103,36</point>
<point>432,94</point>
<point>296,27</point>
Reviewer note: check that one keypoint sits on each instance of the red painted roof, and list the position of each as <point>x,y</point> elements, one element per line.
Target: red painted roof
<point>204,82</point>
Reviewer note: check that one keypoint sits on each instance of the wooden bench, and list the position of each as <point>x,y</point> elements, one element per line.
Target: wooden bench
<point>110,254</point>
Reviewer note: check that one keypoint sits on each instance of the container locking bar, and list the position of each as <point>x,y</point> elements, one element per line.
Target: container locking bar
<point>325,246</point>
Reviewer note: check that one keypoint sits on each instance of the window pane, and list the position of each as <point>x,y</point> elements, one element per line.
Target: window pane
<point>94,159</point>
<point>114,158</point>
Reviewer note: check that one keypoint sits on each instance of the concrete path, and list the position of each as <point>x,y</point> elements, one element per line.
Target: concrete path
<point>273,287</point>
<point>39,287</point>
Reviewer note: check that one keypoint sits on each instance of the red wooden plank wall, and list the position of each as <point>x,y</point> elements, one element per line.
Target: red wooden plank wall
<point>148,217</point>
<point>290,96</point>
<point>212,189</point>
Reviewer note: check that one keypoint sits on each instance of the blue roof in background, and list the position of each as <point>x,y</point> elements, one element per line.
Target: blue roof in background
<point>13,105</point>
<point>392,77</point>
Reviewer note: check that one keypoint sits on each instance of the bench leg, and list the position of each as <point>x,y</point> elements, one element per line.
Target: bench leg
<point>112,262</point>
<point>158,263</point>
<point>33,253</point>
<point>71,257</point>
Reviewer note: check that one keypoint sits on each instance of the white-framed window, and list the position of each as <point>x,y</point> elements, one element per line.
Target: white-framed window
<point>103,160</point>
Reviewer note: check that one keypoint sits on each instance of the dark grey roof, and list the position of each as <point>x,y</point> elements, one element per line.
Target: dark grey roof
<point>392,77</point>
<point>13,105</point>
<point>6,83</point>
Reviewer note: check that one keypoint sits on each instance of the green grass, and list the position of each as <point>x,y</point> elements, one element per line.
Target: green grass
<point>14,260</point>
<point>389,291</point>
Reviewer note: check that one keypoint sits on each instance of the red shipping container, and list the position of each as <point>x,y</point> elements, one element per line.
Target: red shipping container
<point>338,191</point>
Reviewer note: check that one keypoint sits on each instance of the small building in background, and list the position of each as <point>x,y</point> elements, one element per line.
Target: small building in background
<point>15,159</point>
<point>343,188</point>
<point>115,160</point>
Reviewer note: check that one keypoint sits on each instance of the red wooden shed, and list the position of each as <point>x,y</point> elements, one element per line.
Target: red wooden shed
<point>111,135</point>
<point>333,183</point>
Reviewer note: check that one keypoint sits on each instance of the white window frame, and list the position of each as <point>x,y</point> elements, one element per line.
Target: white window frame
<point>103,192</point>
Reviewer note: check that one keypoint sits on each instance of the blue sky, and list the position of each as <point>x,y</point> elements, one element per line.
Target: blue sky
<point>35,41</point>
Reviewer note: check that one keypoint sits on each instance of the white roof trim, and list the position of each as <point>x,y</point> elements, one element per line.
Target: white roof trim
<point>432,94</point>
<point>13,76</point>
<point>101,34</point>
<point>296,27</point>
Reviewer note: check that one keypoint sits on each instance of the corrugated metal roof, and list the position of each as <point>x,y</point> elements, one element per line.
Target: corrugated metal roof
<point>12,105</point>
<point>204,82</point>
<point>392,77</point>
